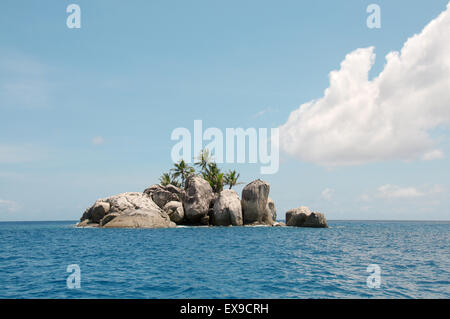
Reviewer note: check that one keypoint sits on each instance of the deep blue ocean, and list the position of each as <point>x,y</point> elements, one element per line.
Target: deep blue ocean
<point>226,262</point>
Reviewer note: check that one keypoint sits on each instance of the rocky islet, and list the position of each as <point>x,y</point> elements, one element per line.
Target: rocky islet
<point>168,206</point>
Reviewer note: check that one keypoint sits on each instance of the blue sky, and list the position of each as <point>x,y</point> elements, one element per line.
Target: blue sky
<point>137,70</point>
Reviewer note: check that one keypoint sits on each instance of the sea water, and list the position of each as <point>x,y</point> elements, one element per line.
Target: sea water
<point>226,262</point>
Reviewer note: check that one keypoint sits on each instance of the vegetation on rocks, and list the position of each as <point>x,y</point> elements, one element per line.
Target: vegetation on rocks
<point>207,169</point>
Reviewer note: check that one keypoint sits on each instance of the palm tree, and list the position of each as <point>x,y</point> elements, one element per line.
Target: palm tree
<point>183,171</point>
<point>167,179</point>
<point>214,177</point>
<point>218,183</point>
<point>231,178</point>
<point>204,158</point>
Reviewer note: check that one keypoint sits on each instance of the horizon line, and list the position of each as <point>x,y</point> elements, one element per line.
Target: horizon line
<point>282,220</point>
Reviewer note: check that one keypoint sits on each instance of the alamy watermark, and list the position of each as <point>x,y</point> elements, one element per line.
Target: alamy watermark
<point>74,279</point>
<point>374,19</point>
<point>74,19</point>
<point>236,145</point>
<point>374,279</point>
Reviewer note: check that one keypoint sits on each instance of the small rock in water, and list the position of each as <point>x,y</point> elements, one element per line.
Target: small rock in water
<point>302,217</point>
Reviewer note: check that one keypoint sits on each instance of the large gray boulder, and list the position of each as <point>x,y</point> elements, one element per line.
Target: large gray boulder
<point>196,199</point>
<point>175,211</point>
<point>127,210</point>
<point>303,217</point>
<point>161,195</point>
<point>227,209</point>
<point>255,209</point>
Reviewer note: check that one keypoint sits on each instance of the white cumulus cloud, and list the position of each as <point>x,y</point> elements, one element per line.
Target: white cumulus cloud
<point>389,117</point>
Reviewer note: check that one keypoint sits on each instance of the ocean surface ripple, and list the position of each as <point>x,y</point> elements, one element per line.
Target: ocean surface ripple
<point>226,262</point>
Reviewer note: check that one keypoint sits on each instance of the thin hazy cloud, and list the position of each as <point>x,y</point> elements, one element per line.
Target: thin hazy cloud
<point>98,140</point>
